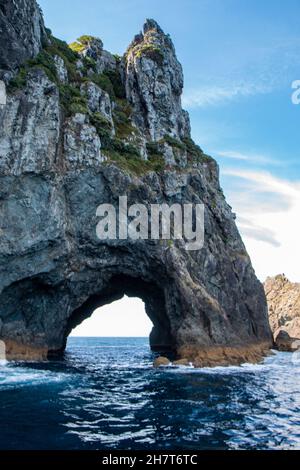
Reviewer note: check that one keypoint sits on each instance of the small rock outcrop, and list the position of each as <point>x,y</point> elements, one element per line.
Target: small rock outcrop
<point>161,361</point>
<point>81,128</point>
<point>283,299</point>
<point>284,343</point>
<point>91,48</point>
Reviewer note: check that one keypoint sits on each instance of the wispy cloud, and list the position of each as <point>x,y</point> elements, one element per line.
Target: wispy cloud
<point>262,234</point>
<point>215,94</point>
<point>266,182</point>
<point>247,157</point>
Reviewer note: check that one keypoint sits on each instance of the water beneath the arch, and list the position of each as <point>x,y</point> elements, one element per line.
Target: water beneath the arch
<point>105,394</point>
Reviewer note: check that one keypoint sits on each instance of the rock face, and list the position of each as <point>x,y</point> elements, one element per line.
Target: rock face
<point>62,73</point>
<point>98,101</point>
<point>283,299</point>
<point>21,33</point>
<point>66,149</point>
<point>30,127</point>
<point>82,144</point>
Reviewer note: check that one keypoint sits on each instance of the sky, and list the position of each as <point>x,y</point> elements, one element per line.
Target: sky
<point>240,58</point>
<point>125,317</point>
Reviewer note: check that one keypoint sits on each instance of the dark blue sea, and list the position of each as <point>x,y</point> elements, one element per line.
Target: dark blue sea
<point>105,395</point>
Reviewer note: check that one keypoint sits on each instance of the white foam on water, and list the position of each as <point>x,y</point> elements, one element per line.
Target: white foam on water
<point>15,377</point>
<point>276,361</point>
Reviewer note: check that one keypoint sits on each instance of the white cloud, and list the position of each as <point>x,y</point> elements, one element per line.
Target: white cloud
<point>270,224</point>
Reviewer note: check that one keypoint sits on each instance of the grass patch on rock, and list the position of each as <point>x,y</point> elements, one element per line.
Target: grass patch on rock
<point>151,52</point>
<point>81,43</point>
<point>134,164</point>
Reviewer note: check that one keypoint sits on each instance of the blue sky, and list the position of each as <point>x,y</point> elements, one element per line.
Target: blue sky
<point>240,58</point>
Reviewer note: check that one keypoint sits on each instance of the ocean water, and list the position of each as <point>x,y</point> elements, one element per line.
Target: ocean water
<point>105,394</point>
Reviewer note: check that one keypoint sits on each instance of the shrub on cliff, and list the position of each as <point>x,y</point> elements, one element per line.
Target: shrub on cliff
<point>81,43</point>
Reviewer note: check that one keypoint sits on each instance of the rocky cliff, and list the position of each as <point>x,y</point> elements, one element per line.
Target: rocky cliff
<point>283,299</point>
<point>82,127</point>
<point>22,34</point>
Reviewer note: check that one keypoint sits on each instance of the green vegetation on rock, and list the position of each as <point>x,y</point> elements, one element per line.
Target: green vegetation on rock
<point>62,49</point>
<point>152,52</point>
<point>45,61</point>
<point>133,164</point>
<point>71,99</point>
<point>174,142</point>
<point>194,152</point>
<point>80,44</point>
<point>121,116</point>
<point>115,79</point>
<point>100,122</point>
<point>76,47</point>
<point>109,81</point>
<point>86,39</point>
<point>124,147</point>
<point>156,163</point>
<point>192,148</point>
<point>78,105</point>
<point>88,63</point>
<point>104,82</point>
<point>19,81</point>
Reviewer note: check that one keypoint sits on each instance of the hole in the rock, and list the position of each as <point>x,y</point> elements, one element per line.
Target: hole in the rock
<point>128,307</point>
<point>123,318</point>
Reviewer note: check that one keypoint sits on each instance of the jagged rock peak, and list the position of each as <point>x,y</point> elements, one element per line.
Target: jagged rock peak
<point>151,25</point>
<point>154,84</point>
<point>151,32</point>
